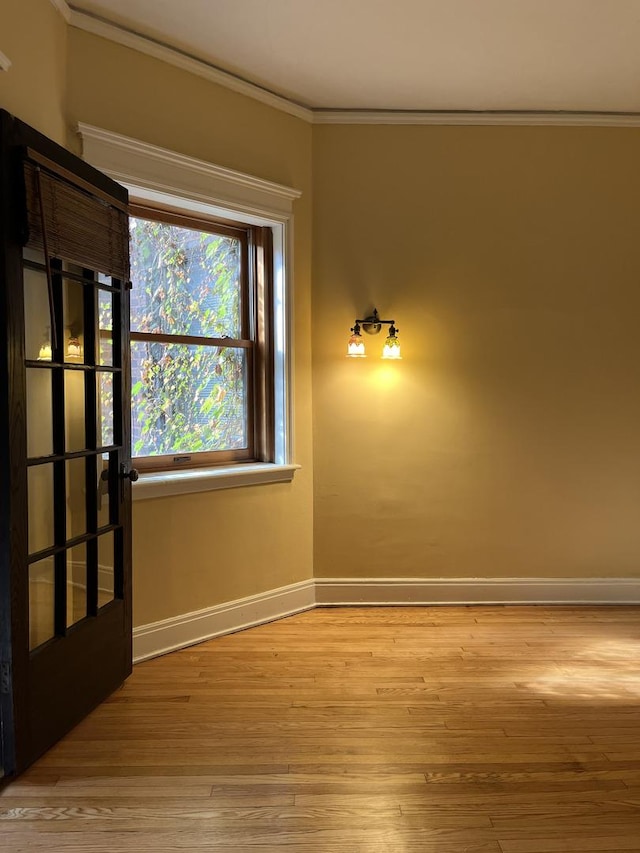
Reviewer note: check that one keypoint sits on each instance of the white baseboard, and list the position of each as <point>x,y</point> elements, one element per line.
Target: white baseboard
<point>158,638</point>
<point>399,591</point>
<point>168,635</point>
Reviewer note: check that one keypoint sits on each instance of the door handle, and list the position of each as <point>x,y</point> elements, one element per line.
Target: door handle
<point>130,474</point>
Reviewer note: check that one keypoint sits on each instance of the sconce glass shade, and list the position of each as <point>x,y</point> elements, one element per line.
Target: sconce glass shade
<point>74,349</point>
<point>391,347</point>
<point>45,353</point>
<point>355,347</point>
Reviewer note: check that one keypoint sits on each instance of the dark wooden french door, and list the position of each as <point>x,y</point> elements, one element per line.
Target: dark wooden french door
<point>65,492</point>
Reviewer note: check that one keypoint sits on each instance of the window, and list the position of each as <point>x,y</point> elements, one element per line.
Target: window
<point>165,180</point>
<point>201,341</point>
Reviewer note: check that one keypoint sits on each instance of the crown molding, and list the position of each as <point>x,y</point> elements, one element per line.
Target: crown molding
<point>472,117</point>
<point>127,38</point>
<point>5,62</point>
<point>63,7</point>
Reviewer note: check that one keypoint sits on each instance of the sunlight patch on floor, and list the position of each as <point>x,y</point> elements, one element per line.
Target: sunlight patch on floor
<point>607,670</point>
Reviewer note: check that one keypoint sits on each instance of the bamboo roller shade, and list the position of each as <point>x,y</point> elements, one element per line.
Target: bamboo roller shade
<point>80,227</point>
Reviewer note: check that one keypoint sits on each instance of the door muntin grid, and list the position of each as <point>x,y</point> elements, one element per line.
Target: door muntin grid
<point>74,378</point>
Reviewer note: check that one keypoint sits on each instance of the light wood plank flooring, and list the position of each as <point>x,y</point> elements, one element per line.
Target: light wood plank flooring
<point>359,730</point>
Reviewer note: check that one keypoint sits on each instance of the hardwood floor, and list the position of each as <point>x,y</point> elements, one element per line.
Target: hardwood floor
<point>359,730</point>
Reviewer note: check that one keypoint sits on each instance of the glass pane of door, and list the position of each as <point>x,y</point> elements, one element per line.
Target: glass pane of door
<point>37,316</point>
<point>104,354</point>
<point>76,494</point>
<point>106,573</point>
<point>39,413</point>
<point>76,584</point>
<point>41,602</point>
<point>41,503</point>
<point>104,425</point>
<point>74,411</point>
<point>104,496</point>
<point>73,308</point>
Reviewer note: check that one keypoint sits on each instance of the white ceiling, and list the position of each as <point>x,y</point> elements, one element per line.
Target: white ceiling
<point>578,55</point>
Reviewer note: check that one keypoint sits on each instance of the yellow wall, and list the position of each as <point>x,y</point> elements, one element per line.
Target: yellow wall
<point>33,36</point>
<point>507,441</point>
<point>195,551</point>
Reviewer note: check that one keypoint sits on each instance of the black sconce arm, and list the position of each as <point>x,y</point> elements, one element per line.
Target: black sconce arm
<point>373,324</point>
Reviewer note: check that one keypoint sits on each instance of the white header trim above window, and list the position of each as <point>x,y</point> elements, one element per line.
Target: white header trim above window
<point>132,162</point>
<point>153,174</point>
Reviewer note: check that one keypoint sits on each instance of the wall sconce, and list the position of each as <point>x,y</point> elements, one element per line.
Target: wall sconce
<point>45,353</point>
<point>74,350</point>
<point>372,326</point>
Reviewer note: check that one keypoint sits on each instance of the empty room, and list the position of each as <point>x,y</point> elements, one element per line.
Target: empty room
<point>319,426</point>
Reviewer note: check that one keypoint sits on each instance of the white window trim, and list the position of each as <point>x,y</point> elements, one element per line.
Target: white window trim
<point>160,176</point>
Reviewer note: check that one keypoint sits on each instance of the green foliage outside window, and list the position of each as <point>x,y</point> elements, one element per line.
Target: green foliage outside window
<point>186,397</point>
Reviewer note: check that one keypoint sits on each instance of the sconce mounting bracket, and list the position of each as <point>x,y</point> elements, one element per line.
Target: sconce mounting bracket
<point>373,324</point>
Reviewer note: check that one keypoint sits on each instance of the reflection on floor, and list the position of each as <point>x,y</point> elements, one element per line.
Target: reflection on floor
<point>403,730</point>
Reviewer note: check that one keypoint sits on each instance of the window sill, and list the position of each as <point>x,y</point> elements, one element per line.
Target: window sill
<point>166,483</point>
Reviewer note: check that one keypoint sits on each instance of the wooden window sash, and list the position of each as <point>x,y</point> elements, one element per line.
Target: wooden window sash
<point>261,244</point>
<point>201,459</point>
<point>192,340</point>
<point>257,331</point>
<point>212,225</point>
<point>185,461</point>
